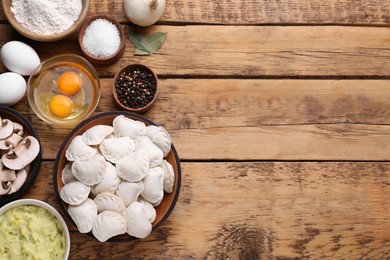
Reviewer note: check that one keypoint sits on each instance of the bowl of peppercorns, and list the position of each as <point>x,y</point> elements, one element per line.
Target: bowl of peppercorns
<point>135,88</point>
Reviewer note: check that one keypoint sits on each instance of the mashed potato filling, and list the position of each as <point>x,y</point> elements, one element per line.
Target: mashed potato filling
<point>31,232</point>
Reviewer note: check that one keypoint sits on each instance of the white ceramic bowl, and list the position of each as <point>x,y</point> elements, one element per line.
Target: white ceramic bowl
<point>47,207</point>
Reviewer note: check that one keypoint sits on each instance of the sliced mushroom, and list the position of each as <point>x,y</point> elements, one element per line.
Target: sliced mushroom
<point>22,155</point>
<point>6,175</point>
<point>5,188</point>
<point>10,142</point>
<point>21,177</point>
<point>6,128</point>
<point>18,129</point>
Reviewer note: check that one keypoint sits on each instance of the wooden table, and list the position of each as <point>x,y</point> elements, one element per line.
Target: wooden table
<point>280,112</point>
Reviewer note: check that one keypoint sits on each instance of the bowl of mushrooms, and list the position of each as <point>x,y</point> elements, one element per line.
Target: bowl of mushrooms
<point>117,176</point>
<point>20,155</point>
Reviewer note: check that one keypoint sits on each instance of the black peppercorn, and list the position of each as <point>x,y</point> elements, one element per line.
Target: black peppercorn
<point>136,87</point>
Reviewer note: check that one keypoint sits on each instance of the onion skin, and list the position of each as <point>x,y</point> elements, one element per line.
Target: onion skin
<point>144,12</point>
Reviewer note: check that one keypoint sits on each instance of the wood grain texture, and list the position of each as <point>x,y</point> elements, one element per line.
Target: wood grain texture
<point>260,211</point>
<point>248,51</point>
<point>372,12</point>
<point>261,119</point>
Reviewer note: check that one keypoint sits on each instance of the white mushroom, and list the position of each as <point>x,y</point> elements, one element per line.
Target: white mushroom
<point>138,224</point>
<point>23,154</point>
<point>6,175</point>
<point>21,177</point>
<point>5,188</point>
<point>18,128</point>
<point>10,142</point>
<point>6,128</point>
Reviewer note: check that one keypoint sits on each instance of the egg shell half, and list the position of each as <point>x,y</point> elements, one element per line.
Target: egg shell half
<point>19,57</point>
<point>12,88</point>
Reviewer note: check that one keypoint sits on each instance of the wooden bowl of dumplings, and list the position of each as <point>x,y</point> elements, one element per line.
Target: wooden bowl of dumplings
<point>117,176</point>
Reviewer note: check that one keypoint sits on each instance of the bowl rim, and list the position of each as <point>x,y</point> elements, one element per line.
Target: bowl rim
<point>35,164</point>
<point>46,206</point>
<point>37,70</point>
<point>87,121</point>
<point>46,38</point>
<point>115,56</point>
<point>115,95</point>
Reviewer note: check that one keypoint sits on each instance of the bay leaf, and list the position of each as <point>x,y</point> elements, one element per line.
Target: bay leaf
<point>146,46</point>
<point>155,41</point>
<point>138,40</point>
<point>141,52</point>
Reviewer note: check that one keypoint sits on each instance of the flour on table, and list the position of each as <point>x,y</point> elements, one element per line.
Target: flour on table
<point>46,17</point>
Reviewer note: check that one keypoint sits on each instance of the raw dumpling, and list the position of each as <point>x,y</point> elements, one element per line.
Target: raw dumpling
<point>115,149</point>
<point>110,181</point>
<point>128,192</point>
<point>124,126</point>
<point>153,185</point>
<point>149,209</point>
<point>78,149</point>
<point>75,193</point>
<point>107,201</point>
<point>160,137</point>
<point>169,176</point>
<point>90,171</point>
<point>96,134</point>
<point>67,175</point>
<point>134,167</point>
<point>154,153</point>
<point>84,215</point>
<point>138,224</point>
<point>109,224</point>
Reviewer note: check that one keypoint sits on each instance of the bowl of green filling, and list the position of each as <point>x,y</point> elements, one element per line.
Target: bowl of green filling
<point>32,229</point>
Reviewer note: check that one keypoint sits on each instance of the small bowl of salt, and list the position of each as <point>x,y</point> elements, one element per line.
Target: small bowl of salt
<point>101,40</point>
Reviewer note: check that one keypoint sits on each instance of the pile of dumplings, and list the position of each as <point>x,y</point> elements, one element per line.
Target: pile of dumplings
<point>116,176</point>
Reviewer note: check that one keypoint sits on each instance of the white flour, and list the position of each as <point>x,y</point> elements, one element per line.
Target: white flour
<point>46,17</point>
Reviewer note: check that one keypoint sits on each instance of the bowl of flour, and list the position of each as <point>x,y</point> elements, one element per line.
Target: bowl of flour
<point>44,20</point>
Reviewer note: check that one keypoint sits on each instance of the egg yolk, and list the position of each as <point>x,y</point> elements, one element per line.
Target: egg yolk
<point>69,83</point>
<point>61,106</point>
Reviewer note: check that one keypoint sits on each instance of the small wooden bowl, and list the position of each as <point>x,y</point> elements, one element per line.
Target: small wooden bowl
<point>6,4</point>
<point>167,204</point>
<point>114,57</point>
<point>115,95</point>
<point>28,129</point>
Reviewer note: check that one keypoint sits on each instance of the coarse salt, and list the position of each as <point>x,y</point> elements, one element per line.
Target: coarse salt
<point>101,38</point>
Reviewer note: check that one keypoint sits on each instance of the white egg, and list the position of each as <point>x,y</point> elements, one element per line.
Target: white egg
<point>19,57</point>
<point>12,88</point>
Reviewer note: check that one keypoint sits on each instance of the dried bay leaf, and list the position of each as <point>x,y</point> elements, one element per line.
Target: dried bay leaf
<point>146,46</point>
<point>141,52</point>
<point>138,40</point>
<point>155,41</point>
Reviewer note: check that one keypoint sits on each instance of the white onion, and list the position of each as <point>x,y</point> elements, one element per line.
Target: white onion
<point>144,12</point>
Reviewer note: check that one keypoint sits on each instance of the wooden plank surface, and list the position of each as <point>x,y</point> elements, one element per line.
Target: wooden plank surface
<point>249,106</point>
<point>262,119</point>
<point>373,12</point>
<point>249,51</point>
<point>260,210</point>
